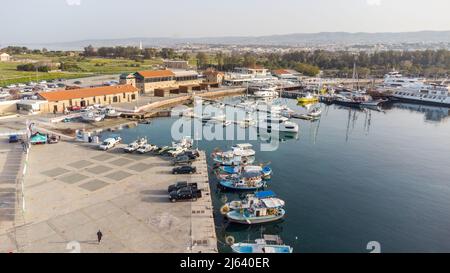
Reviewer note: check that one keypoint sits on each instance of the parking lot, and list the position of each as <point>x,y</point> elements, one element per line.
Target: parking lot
<point>73,190</point>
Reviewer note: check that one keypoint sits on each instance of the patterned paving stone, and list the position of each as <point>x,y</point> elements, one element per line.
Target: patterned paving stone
<point>99,169</point>
<point>80,164</point>
<point>73,178</point>
<point>55,172</point>
<point>118,176</point>
<point>94,185</point>
<point>140,167</point>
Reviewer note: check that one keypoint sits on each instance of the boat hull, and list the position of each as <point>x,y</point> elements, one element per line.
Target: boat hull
<point>230,186</point>
<point>239,219</point>
<point>424,102</point>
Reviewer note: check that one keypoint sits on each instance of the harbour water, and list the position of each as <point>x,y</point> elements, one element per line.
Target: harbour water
<point>348,179</point>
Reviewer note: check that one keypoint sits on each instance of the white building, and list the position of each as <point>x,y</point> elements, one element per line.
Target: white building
<point>5,57</point>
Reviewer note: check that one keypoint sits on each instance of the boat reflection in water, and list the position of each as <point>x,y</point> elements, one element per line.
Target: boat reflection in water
<point>265,136</point>
<point>432,113</point>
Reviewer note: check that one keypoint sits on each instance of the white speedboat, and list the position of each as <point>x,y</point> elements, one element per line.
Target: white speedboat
<point>266,92</point>
<point>186,142</point>
<point>135,145</point>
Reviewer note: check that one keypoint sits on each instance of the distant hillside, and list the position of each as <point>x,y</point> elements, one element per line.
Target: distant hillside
<point>302,39</point>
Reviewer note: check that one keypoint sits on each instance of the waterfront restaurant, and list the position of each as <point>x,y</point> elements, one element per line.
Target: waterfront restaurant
<point>150,81</point>
<point>58,101</point>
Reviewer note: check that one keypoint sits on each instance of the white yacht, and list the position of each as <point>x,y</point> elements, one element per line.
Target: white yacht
<point>434,94</point>
<point>266,91</point>
<point>394,81</point>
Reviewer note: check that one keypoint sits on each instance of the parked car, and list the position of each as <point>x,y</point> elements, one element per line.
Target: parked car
<point>109,143</point>
<point>186,193</point>
<point>77,82</point>
<point>74,108</point>
<point>184,170</point>
<point>182,160</point>
<point>14,138</point>
<point>180,185</point>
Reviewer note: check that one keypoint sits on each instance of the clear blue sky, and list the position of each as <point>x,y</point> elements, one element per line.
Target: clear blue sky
<point>37,21</point>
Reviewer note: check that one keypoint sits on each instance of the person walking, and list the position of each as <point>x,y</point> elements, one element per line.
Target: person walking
<point>99,236</point>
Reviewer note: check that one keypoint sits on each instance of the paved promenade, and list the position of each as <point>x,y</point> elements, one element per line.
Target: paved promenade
<point>73,190</point>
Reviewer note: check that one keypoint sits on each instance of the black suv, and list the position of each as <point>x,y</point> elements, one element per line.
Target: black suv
<point>187,193</point>
<point>184,170</point>
<point>180,185</point>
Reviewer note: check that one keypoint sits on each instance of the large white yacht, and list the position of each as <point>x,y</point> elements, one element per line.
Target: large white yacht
<point>435,94</point>
<point>394,81</point>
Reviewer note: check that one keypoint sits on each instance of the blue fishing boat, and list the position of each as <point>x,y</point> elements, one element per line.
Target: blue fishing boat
<point>265,171</point>
<point>233,160</point>
<point>243,184</point>
<point>253,216</point>
<point>267,244</point>
<point>256,200</point>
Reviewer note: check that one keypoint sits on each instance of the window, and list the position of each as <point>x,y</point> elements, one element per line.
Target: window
<point>133,96</point>
<point>124,96</point>
<point>104,98</point>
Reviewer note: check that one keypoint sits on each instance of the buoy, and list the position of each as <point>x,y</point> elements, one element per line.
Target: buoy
<point>229,240</point>
<point>224,209</point>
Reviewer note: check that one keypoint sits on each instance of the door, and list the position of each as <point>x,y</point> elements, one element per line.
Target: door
<point>83,103</point>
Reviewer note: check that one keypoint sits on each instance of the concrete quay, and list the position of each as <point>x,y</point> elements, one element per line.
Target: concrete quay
<point>72,190</point>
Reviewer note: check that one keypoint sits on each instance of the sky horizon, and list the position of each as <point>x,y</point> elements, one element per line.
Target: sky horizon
<point>57,21</point>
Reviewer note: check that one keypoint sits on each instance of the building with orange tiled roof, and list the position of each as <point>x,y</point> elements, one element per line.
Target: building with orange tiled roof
<point>58,101</point>
<point>150,80</point>
<point>213,76</point>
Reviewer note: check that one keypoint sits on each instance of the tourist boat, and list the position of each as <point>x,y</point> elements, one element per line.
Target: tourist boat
<point>240,150</point>
<point>265,92</point>
<point>132,147</point>
<point>267,244</point>
<point>315,112</point>
<point>430,94</point>
<point>253,216</point>
<point>308,98</point>
<point>256,200</point>
<point>280,124</point>
<point>248,183</point>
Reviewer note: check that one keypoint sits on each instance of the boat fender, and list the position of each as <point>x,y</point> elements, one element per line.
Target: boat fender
<point>230,240</point>
<point>224,209</point>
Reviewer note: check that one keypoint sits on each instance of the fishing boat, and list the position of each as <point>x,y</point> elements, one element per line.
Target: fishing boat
<point>308,98</point>
<point>248,183</point>
<point>225,171</point>
<point>267,244</point>
<point>229,159</point>
<point>256,200</point>
<point>253,216</point>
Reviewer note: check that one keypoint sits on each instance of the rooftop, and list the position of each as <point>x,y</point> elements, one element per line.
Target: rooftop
<point>156,73</point>
<point>87,92</point>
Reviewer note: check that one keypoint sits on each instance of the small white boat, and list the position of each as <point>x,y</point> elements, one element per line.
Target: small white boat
<point>146,148</point>
<point>267,244</point>
<point>112,113</point>
<point>92,116</point>
<point>186,142</point>
<point>315,112</point>
<point>132,147</point>
<point>280,124</point>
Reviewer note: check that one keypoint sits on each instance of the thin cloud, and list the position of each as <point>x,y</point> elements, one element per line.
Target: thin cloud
<point>73,2</point>
<point>373,2</point>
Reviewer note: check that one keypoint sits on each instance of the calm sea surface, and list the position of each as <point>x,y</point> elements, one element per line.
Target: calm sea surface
<point>348,179</point>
